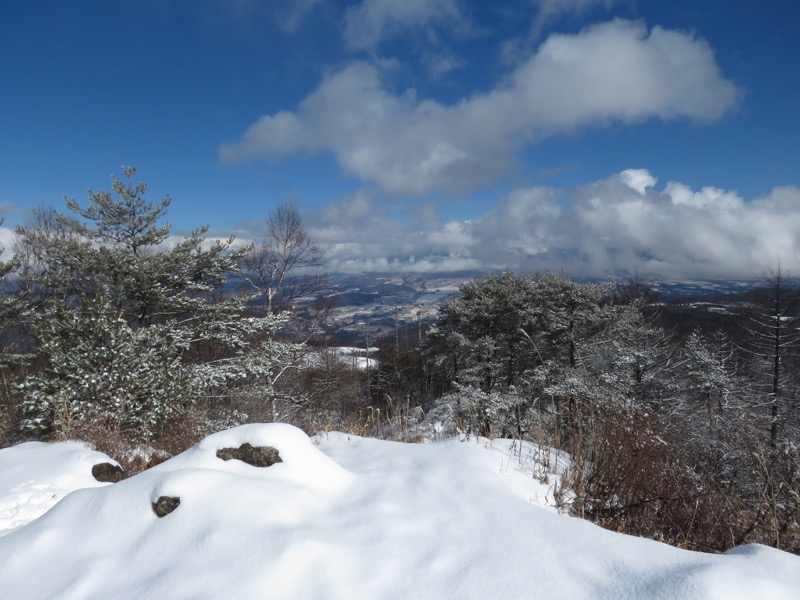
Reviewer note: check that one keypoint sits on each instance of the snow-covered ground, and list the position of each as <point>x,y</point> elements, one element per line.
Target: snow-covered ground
<point>352,357</point>
<point>340,517</point>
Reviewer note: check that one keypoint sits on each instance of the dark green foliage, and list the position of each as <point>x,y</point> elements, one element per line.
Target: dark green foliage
<point>121,319</point>
<point>98,368</point>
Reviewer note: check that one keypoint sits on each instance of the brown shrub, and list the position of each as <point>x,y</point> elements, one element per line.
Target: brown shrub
<point>635,475</point>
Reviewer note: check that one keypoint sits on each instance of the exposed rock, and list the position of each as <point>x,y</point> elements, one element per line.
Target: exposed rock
<point>165,505</point>
<point>108,473</point>
<point>260,456</point>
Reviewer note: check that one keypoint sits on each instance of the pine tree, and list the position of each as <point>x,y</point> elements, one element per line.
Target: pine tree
<point>484,330</point>
<point>129,331</point>
<point>548,342</point>
<point>97,368</point>
<point>773,338</point>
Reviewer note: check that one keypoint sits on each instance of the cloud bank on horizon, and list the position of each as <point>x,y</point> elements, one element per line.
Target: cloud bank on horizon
<point>621,225</point>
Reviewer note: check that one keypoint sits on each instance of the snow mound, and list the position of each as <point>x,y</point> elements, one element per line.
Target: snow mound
<point>303,464</point>
<point>351,518</point>
<point>34,476</point>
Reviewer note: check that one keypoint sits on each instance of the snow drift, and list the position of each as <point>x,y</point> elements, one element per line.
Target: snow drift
<point>340,517</point>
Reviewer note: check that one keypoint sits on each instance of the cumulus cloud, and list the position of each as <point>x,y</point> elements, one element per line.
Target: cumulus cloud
<point>441,62</point>
<point>373,21</point>
<point>638,179</point>
<point>679,231</point>
<point>623,224</point>
<point>615,72</point>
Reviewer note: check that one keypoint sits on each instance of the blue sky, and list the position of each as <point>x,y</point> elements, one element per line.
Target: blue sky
<point>593,136</point>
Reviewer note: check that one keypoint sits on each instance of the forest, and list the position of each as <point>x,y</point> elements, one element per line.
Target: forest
<point>117,333</point>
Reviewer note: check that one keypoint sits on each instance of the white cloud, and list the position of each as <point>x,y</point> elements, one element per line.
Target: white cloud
<point>552,7</point>
<point>612,72</point>
<point>638,179</point>
<point>622,224</point>
<point>514,50</point>
<point>439,63</point>
<point>373,21</point>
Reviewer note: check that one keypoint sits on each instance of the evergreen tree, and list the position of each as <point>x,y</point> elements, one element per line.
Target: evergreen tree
<point>484,331</point>
<point>9,307</point>
<point>129,330</point>
<point>773,339</point>
<point>97,368</point>
<point>512,343</point>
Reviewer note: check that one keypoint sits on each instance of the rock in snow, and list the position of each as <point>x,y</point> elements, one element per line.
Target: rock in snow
<point>341,517</point>
<point>257,456</point>
<point>107,472</point>
<point>165,505</point>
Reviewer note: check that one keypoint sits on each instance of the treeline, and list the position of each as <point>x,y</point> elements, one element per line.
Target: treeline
<point>117,333</point>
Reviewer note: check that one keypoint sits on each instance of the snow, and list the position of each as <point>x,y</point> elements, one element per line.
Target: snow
<point>342,517</point>
<point>34,476</point>
<point>348,356</point>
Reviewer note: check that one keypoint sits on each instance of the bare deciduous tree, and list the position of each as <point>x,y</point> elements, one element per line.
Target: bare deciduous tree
<point>286,264</point>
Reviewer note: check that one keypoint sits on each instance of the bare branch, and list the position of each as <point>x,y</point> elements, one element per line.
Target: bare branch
<point>287,263</point>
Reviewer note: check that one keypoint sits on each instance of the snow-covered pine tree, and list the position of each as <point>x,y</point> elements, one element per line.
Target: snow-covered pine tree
<point>571,320</point>
<point>95,367</point>
<point>562,346</point>
<point>9,310</point>
<point>638,356</point>
<point>128,329</point>
<point>481,340</point>
<point>773,340</point>
<point>481,335</point>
